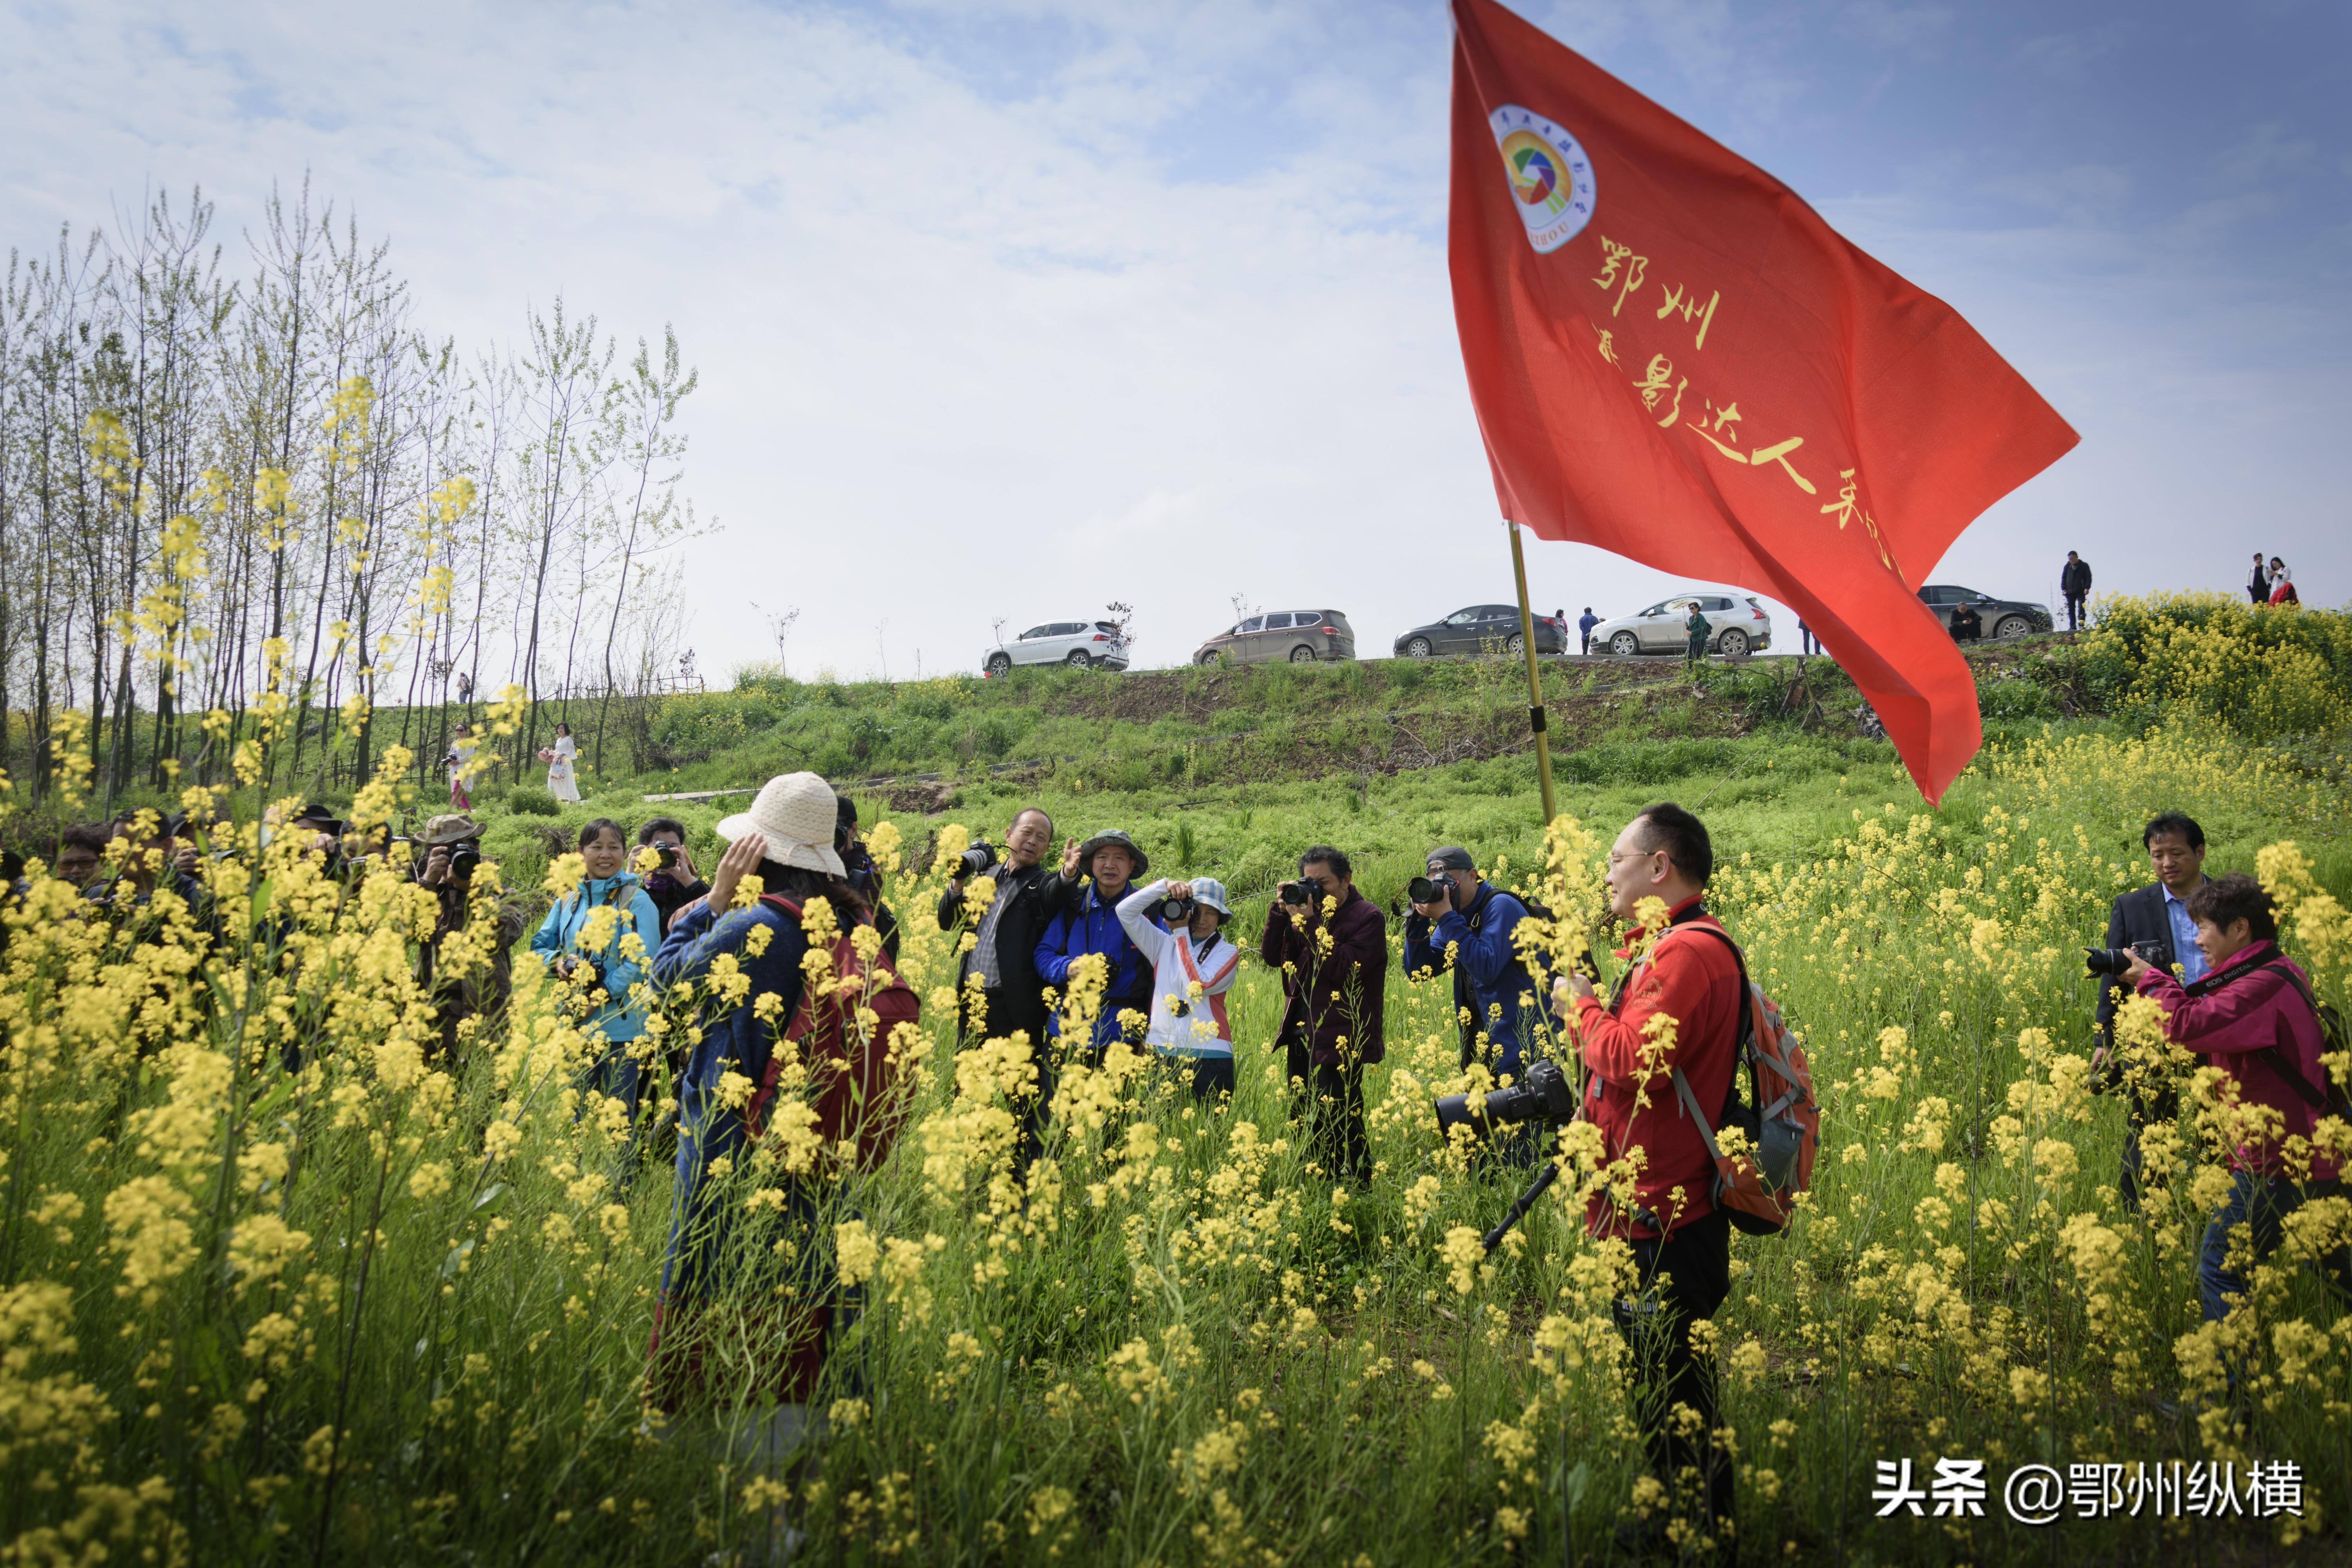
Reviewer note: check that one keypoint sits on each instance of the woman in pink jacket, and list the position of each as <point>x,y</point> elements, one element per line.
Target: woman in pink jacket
<point>2251,1016</point>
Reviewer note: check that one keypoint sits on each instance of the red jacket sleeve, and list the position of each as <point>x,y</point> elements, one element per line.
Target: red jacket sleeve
<point>2237,1018</point>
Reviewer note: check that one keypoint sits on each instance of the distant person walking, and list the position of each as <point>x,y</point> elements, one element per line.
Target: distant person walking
<point>1698,626</point>
<point>1584,625</point>
<point>458,759</point>
<point>2075,584</point>
<point>1812,643</point>
<point>2258,582</point>
<point>2283,584</point>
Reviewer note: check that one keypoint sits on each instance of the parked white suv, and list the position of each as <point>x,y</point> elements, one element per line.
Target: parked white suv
<point>1737,624</point>
<point>1085,643</point>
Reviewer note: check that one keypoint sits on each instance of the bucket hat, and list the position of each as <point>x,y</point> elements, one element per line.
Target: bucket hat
<point>1210,891</point>
<point>450,829</point>
<point>1113,835</point>
<point>795,813</point>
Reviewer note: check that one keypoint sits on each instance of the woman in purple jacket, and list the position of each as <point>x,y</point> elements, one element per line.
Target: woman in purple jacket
<point>2252,1016</point>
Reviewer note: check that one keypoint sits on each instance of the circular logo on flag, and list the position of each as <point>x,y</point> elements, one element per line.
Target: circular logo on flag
<point>1550,176</point>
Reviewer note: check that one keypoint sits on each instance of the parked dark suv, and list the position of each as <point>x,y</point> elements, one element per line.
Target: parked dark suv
<point>2002,617</point>
<point>1470,630</point>
<point>1298,636</point>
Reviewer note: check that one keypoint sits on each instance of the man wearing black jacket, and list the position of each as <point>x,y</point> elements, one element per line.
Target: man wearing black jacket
<point>1029,894</point>
<point>2154,922</point>
<point>1335,997</point>
<point>2075,584</point>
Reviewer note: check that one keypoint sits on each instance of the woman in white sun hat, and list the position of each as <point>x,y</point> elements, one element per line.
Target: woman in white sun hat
<point>1192,967</point>
<point>716,1239</point>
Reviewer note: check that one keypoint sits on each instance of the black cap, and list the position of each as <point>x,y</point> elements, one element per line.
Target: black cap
<point>1451,857</point>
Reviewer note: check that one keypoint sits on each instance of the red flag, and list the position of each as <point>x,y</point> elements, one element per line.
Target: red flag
<point>1672,357</point>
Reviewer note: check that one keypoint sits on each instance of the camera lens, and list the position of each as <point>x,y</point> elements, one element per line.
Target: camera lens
<point>1424,890</point>
<point>1175,910</point>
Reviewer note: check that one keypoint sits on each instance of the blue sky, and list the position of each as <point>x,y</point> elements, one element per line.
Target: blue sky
<point>1019,308</point>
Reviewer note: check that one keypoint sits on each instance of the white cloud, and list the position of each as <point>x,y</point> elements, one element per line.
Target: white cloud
<point>985,326</point>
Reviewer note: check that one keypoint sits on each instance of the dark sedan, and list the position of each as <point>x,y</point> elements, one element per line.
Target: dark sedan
<point>1478,627</point>
<point>2002,618</point>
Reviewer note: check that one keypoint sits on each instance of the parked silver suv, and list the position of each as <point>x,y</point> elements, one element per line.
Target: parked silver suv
<point>1085,643</point>
<point>1298,635</point>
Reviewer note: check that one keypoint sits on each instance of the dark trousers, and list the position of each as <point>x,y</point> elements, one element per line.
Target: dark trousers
<point>2260,1204</point>
<point>1328,1098</point>
<point>1682,1279</point>
<point>1813,642</point>
<point>2074,612</point>
<point>616,1074</point>
<point>1006,1013</point>
<point>1208,1076</point>
<point>1698,651</point>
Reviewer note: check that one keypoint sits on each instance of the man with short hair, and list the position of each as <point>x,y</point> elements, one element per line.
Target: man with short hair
<point>2075,584</point>
<point>1029,894</point>
<point>2154,922</point>
<point>81,849</point>
<point>1332,953</point>
<point>2258,584</point>
<point>1584,625</point>
<point>1467,927</point>
<point>1690,972</point>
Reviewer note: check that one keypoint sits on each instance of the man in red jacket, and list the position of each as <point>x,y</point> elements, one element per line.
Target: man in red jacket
<point>1334,969</point>
<point>1686,971</point>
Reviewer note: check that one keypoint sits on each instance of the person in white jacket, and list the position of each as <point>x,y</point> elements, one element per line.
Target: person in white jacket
<point>1192,969</point>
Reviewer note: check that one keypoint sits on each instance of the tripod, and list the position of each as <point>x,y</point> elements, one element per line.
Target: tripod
<point>1526,1200</point>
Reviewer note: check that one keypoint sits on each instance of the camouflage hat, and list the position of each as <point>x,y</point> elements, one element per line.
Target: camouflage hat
<point>450,829</point>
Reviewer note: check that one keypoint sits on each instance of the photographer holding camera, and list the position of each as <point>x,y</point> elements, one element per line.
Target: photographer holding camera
<point>599,966</point>
<point>2152,922</point>
<point>1456,909</point>
<point>1029,894</point>
<point>1330,945</point>
<point>1192,967</point>
<point>1689,971</point>
<point>2253,1015</point>
<point>673,883</point>
<point>475,995</point>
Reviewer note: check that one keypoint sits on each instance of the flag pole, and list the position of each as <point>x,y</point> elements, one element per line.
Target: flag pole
<point>1535,683</point>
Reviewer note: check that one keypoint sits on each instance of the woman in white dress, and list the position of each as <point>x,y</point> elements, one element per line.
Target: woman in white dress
<point>561,781</point>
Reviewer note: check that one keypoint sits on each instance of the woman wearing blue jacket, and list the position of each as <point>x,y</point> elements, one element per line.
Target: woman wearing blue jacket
<point>595,956</point>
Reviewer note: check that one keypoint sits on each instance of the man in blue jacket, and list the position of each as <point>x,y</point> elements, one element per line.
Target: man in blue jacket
<point>1111,861</point>
<point>1473,918</point>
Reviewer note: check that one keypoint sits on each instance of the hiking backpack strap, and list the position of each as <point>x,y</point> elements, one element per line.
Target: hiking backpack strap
<point>2286,1066</point>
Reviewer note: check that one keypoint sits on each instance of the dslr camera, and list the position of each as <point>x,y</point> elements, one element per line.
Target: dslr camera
<point>1299,895</point>
<point>1543,1093</point>
<point>1175,912</point>
<point>2116,960</point>
<point>975,861</point>
<point>1429,890</point>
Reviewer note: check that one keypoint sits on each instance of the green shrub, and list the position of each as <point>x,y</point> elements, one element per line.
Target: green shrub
<point>529,800</point>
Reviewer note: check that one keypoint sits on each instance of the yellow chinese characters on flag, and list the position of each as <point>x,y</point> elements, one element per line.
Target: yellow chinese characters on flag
<point>1672,357</point>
